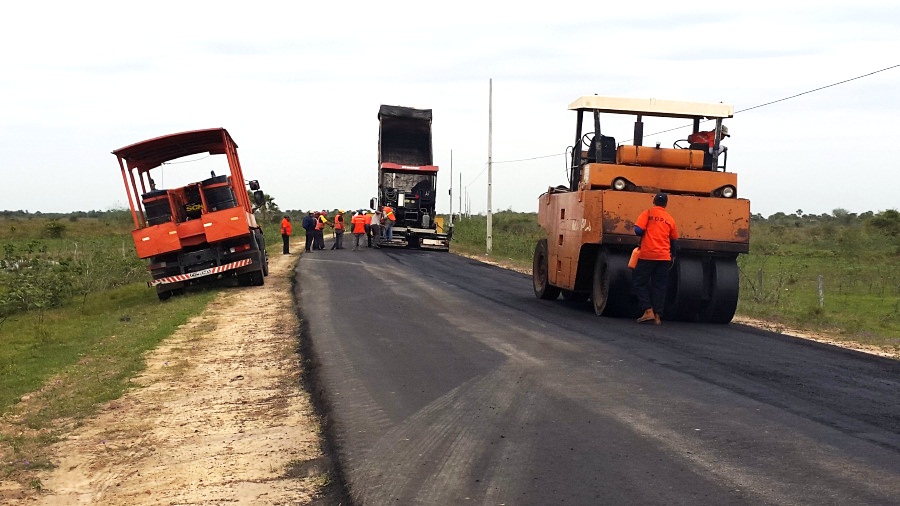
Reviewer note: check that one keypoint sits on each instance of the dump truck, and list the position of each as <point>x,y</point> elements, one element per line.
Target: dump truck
<point>407,179</point>
<point>196,232</point>
<point>589,224</point>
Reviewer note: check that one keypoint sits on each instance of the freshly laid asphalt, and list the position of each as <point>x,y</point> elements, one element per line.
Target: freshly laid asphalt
<point>445,381</point>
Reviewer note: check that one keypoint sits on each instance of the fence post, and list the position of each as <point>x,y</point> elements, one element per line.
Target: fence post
<point>821,292</point>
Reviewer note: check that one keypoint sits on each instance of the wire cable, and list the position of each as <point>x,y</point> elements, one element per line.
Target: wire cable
<point>185,161</point>
<point>820,88</point>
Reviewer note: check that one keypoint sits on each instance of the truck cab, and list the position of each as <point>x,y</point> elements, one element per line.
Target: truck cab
<point>198,231</point>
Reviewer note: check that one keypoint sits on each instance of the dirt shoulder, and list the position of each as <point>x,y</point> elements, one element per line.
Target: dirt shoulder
<point>220,417</point>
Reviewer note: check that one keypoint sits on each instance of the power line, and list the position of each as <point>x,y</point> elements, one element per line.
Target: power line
<point>817,89</point>
<point>735,112</point>
<point>529,159</point>
<point>476,177</point>
<point>186,161</point>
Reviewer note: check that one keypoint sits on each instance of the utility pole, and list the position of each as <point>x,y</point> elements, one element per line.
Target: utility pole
<point>461,190</point>
<point>490,146</point>
<point>451,187</point>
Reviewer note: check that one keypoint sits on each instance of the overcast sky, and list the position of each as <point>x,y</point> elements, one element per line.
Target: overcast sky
<point>299,87</point>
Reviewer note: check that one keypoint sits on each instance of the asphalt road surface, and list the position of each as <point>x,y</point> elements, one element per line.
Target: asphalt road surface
<point>447,382</point>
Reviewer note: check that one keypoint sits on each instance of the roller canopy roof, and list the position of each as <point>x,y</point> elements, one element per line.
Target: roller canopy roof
<point>652,107</point>
<point>151,153</point>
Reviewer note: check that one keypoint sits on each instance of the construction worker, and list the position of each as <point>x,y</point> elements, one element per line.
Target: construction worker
<point>708,137</point>
<point>309,225</point>
<point>358,225</point>
<point>368,216</point>
<point>387,221</point>
<point>338,230</point>
<point>658,233</point>
<point>319,240</point>
<point>375,228</point>
<point>286,235</point>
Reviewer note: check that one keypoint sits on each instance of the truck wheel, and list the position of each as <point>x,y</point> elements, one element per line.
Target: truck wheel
<point>723,295</point>
<point>539,273</point>
<point>612,287</point>
<point>263,254</point>
<point>254,278</point>
<point>600,285</point>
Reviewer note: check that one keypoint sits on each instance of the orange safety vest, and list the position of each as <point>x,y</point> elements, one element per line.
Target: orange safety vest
<point>389,213</point>
<point>659,229</point>
<point>285,226</point>
<point>359,224</point>
<point>703,137</point>
<point>319,223</point>
<point>339,222</point>
<point>368,218</point>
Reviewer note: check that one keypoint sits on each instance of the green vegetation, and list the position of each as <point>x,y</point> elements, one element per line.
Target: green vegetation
<point>857,257</point>
<point>513,236</point>
<point>59,365</point>
<point>76,317</point>
<point>854,259</point>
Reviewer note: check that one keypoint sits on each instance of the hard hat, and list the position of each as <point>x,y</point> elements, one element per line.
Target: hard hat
<point>661,199</point>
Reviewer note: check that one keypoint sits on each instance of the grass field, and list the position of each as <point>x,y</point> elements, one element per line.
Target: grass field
<point>76,317</point>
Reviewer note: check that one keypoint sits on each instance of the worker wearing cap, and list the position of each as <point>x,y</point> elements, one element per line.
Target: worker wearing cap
<point>368,215</point>
<point>387,221</point>
<point>338,230</point>
<point>321,221</point>
<point>358,226</point>
<point>708,137</point>
<point>309,225</point>
<point>658,232</point>
<point>375,228</point>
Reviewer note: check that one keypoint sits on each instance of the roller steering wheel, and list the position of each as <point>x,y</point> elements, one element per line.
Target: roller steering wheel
<point>681,144</point>
<point>587,139</point>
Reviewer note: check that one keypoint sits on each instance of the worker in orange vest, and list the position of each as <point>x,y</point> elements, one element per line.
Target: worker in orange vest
<point>358,224</point>
<point>387,222</point>
<point>321,221</point>
<point>368,216</point>
<point>708,137</point>
<point>338,230</point>
<point>658,233</point>
<point>286,234</point>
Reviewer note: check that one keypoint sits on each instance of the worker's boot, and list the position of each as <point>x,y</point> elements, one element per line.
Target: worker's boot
<point>648,316</point>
